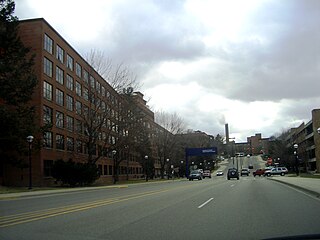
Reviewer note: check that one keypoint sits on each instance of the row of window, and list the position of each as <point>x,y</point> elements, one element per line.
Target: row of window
<point>104,170</point>
<point>88,79</point>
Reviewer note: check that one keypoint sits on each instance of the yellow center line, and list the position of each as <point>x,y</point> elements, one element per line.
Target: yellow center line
<point>11,220</point>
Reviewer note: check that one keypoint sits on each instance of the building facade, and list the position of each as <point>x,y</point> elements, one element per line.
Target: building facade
<point>307,138</point>
<point>68,89</point>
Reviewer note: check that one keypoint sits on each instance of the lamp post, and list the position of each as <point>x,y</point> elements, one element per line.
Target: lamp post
<point>30,140</point>
<point>114,152</point>
<point>146,164</point>
<point>181,171</point>
<point>168,167</point>
<point>296,158</point>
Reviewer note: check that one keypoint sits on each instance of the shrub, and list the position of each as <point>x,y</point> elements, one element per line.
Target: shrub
<point>73,174</point>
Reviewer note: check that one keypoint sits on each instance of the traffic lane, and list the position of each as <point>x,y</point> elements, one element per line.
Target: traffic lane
<point>36,203</point>
<point>232,210</point>
<point>102,220</point>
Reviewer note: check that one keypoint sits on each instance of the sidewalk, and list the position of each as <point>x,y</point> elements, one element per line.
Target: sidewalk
<point>309,185</point>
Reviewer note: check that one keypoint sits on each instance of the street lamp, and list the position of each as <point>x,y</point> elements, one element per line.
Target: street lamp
<point>146,161</point>
<point>318,130</point>
<point>168,167</point>
<point>296,158</point>
<point>114,152</point>
<point>30,140</point>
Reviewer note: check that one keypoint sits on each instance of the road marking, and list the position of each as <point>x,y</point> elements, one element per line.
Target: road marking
<point>205,203</point>
<point>232,185</point>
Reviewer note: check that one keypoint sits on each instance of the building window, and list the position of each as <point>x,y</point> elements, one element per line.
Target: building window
<point>59,141</point>
<point>78,107</point>
<point>100,169</point>
<point>59,119</point>
<point>47,67</point>
<point>47,91</point>
<point>78,70</point>
<point>47,168</point>
<point>85,94</point>
<point>98,87</point>
<point>70,144</point>
<point>69,122</point>
<point>69,62</point>
<point>60,54</point>
<point>103,90</point>
<point>48,44</point>
<point>59,97</point>
<point>69,82</point>
<point>92,82</point>
<point>110,170</point>
<point>59,75</point>
<point>78,89</point>
<point>47,115</point>
<point>105,170</point>
<point>85,76</point>
<point>47,139</point>
<point>79,146</point>
<point>69,103</point>
<point>78,126</point>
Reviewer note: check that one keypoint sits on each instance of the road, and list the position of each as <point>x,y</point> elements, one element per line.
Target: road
<point>249,208</point>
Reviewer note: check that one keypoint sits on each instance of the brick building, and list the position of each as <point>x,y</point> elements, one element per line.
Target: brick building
<point>65,83</point>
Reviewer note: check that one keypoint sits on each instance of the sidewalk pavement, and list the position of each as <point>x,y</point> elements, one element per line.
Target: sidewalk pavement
<point>309,185</point>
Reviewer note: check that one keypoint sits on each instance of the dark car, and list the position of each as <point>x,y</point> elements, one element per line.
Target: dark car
<point>245,171</point>
<point>233,173</point>
<point>195,175</point>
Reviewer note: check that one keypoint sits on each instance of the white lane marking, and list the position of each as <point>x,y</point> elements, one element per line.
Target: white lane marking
<point>203,204</point>
<point>232,185</point>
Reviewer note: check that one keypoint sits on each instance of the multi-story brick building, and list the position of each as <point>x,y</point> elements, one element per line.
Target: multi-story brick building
<point>307,138</point>
<point>66,84</point>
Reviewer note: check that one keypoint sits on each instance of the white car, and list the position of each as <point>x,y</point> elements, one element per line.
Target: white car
<point>219,173</point>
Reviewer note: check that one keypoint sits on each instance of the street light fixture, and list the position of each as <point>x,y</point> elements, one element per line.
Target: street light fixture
<point>114,152</point>
<point>318,130</point>
<point>168,167</point>
<point>146,160</point>
<point>295,146</point>
<point>30,140</point>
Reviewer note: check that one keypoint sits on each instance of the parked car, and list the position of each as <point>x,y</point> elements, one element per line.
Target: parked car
<point>206,173</point>
<point>276,171</point>
<point>195,175</point>
<point>245,171</point>
<point>259,172</point>
<point>233,173</point>
<point>219,173</point>
<point>250,166</point>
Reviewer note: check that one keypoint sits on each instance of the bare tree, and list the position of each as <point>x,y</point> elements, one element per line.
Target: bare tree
<point>165,140</point>
<point>119,76</point>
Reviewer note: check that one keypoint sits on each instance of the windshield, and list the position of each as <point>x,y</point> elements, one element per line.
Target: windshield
<point>159,119</point>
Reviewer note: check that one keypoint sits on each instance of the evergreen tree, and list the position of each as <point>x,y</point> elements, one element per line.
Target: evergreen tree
<point>17,83</point>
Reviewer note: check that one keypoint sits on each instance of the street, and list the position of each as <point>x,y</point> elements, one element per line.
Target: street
<point>249,208</point>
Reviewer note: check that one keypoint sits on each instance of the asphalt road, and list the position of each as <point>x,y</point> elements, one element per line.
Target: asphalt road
<point>249,208</point>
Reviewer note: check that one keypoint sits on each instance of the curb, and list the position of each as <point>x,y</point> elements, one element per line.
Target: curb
<point>308,191</point>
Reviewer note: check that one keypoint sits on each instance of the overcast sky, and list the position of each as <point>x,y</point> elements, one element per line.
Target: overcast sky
<point>254,64</point>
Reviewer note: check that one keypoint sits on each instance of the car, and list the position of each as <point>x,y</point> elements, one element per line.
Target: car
<point>259,172</point>
<point>195,175</point>
<point>219,173</point>
<point>276,171</point>
<point>233,173</point>
<point>245,171</point>
<point>250,166</point>
<point>206,173</point>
